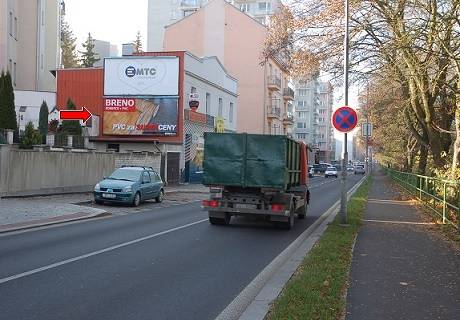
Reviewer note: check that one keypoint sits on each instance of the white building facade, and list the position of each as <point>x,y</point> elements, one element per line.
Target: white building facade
<point>313,112</point>
<point>30,42</point>
<point>162,13</point>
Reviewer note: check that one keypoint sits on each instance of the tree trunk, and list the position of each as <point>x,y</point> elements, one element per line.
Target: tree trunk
<point>423,160</point>
<point>456,155</point>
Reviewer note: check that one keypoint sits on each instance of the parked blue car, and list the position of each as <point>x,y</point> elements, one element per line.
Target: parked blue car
<point>130,185</point>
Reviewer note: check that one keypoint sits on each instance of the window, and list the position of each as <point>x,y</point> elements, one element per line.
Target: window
<point>244,7</point>
<point>264,6</point>
<point>208,103</point>
<point>302,136</point>
<point>301,125</point>
<point>14,74</point>
<point>145,177</point>
<point>230,112</point>
<point>322,111</point>
<point>303,92</point>
<point>16,28</point>
<point>302,104</point>
<point>192,90</point>
<point>221,107</point>
<point>10,24</point>
<point>302,114</point>
<point>154,177</point>
<point>113,146</point>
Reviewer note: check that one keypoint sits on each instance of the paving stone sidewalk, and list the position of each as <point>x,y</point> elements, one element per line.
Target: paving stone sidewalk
<point>402,268</point>
<point>21,213</point>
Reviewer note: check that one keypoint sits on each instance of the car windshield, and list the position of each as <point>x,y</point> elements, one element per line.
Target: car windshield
<point>331,168</point>
<point>125,174</point>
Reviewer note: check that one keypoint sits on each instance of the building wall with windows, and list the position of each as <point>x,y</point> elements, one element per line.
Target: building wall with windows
<point>313,113</point>
<point>29,42</point>
<point>215,30</point>
<point>162,13</point>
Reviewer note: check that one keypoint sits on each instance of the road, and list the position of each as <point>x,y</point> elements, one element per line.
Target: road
<point>166,263</point>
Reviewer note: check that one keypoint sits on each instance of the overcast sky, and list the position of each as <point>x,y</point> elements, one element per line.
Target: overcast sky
<point>116,21</point>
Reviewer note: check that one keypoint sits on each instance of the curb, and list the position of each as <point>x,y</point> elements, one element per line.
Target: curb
<point>48,222</point>
<point>254,301</point>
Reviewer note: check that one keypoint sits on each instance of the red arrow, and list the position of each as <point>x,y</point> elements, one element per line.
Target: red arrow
<point>82,114</point>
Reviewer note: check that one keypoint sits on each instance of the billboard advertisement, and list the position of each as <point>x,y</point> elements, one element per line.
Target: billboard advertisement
<point>154,116</point>
<point>141,76</point>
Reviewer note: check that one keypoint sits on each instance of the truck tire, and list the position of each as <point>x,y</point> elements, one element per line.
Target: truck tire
<point>290,223</point>
<point>220,221</point>
<point>302,212</point>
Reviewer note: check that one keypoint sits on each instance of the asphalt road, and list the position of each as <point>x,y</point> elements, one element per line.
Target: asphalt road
<point>166,263</point>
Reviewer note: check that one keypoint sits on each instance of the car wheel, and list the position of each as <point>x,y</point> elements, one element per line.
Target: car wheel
<point>160,197</point>
<point>99,202</point>
<point>137,199</point>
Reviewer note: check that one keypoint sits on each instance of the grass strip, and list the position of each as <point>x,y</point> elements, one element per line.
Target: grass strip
<point>316,291</point>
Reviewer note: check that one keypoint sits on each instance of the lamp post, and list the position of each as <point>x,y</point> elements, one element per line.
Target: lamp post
<point>343,198</point>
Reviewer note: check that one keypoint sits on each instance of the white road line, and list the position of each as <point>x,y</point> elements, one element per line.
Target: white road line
<point>401,222</point>
<point>91,254</point>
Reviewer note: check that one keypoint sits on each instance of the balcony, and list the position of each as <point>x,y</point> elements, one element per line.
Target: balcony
<point>288,119</point>
<point>288,94</point>
<point>274,83</point>
<point>273,111</point>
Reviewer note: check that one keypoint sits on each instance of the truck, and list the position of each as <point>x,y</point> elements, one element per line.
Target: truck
<point>255,175</point>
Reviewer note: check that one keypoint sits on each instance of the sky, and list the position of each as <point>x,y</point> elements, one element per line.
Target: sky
<point>116,21</point>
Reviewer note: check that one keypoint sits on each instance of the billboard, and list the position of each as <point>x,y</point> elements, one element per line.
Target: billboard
<point>154,116</point>
<point>141,76</point>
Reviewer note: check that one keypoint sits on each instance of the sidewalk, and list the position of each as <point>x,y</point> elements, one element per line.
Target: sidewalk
<point>29,212</point>
<point>401,268</point>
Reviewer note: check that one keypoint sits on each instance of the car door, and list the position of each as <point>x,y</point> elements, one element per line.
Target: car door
<point>146,186</point>
<point>155,183</point>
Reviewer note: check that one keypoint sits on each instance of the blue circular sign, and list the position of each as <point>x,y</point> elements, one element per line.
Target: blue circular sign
<point>345,119</point>
<point>130,71</point>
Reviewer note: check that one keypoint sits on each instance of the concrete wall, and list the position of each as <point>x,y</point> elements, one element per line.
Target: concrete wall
<point>24,172</point>
<point>27,172</point>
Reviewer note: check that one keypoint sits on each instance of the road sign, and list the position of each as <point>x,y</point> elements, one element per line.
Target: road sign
<point>220,125</point>
<point>194,101</point>
<point>345,119</point>
<point>82,114</point>
<point>367,129</point>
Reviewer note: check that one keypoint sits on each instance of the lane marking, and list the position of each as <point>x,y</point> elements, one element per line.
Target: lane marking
<point>400,222</point>
<point>94,253</point>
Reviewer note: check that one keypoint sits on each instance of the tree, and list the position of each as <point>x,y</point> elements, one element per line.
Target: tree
<point>69,58</point>
<point>88,56</point>
<point>71,127</point>
<point>7,109</point>
<point>31,137</point>
<point>138,43</point>
<point>43,120</point>
<point>408,41</point>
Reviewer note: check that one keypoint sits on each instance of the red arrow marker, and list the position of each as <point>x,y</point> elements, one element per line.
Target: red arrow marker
<point>82,114</point>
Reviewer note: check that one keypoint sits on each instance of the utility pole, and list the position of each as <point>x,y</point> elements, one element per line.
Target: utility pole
<point>367,130</point>
<point>343,199</point>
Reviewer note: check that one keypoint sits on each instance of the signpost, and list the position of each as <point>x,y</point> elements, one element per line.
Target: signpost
<point>193,101</point>
<point>344,120</point>
<point>367,132</point>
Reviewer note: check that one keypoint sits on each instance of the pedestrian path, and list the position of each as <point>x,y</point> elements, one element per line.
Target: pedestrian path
<point>402,268</point>
<point>28,212</point>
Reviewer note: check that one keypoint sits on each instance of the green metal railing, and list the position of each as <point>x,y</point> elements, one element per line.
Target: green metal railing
<point>441,196</point>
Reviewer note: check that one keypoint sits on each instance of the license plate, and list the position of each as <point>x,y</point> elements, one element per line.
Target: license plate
<point>109,195</point>
<point>245,206</point>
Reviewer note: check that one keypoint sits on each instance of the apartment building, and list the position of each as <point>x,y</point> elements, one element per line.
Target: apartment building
<point>29,42</point>
<point>313,112</point>
<point>162,13</point>
<point>264,97</point>
<point>104,49</point>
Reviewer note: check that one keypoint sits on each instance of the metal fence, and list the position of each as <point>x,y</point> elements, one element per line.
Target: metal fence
<point>441,196</point>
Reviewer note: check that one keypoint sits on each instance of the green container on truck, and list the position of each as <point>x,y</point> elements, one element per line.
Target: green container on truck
<point>252,174</point>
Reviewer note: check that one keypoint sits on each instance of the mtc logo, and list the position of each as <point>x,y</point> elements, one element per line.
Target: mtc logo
<point>132,71</point>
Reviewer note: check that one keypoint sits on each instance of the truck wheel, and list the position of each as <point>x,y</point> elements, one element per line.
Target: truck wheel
<point>220,221</point>
<point>302,212</point>
<point>290,223</point>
